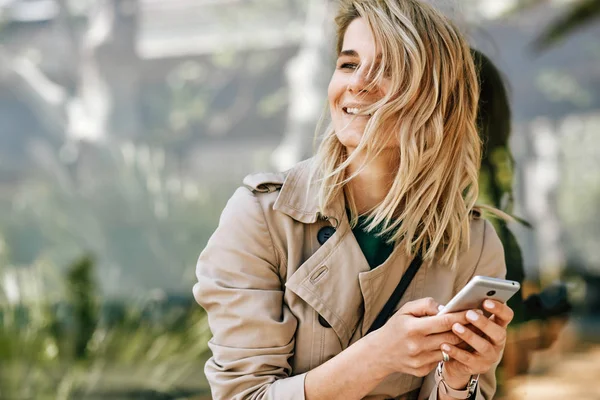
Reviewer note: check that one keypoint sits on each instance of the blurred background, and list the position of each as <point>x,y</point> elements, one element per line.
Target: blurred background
<point>125,125</point>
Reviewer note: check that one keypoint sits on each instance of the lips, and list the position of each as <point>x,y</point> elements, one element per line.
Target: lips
<point>355,110</point>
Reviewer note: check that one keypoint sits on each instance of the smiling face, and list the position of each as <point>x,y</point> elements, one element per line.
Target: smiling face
<point>351,89</point>
<point>424,109</point>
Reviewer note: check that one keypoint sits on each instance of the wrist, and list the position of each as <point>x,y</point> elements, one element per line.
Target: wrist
<point>447,391</point>
<point>455,381</point>
<point>375,356</point>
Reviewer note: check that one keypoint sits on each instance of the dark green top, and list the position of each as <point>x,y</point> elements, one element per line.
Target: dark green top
<point>375,248</point>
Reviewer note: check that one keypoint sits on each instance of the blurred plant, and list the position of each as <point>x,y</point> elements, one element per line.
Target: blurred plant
<point>82,297</point>
<point>66,350</point>
<point>26,342</point>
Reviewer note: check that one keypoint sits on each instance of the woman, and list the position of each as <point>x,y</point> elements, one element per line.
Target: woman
<point>303,262</point>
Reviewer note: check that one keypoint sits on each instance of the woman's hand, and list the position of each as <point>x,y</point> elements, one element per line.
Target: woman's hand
<point>487,344</point>
<point>410,341</point>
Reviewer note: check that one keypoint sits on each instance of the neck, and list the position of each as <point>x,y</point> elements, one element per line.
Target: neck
<point>373,183</point>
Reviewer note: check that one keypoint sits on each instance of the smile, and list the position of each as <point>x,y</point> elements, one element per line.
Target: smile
<point>354,111</point>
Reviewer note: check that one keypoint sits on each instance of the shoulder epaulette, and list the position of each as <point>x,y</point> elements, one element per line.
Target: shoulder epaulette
<point>264,182</point>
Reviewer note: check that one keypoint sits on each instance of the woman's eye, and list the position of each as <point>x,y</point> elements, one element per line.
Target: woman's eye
<point>348,66</point>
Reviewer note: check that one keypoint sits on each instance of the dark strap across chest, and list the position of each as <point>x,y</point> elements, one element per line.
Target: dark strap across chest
<point>388,309</point>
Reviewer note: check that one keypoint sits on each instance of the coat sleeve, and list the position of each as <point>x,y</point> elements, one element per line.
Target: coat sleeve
<point>240,289</point>
<point>491,263</point>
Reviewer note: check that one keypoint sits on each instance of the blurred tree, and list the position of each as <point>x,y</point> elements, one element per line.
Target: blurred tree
<point>307,76</point>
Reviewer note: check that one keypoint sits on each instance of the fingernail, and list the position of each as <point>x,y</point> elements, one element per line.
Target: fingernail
<point>440,307</point>
<point>458,328</point>
<point>489,304</point>
<point>446,348</point>
<point>478,311</point>
<point>472,315</point>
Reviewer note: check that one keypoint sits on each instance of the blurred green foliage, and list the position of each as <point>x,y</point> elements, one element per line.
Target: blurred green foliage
<point>82,297</point>
<point>70,349</point>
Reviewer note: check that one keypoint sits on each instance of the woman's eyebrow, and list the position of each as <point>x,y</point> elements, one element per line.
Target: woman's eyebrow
<point>353,53</point>
<point>348,53</point>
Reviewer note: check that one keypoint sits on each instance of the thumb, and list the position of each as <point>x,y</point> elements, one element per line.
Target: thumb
<point>421,308</point>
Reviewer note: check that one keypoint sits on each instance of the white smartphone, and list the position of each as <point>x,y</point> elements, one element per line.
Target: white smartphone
<point>477,290</point>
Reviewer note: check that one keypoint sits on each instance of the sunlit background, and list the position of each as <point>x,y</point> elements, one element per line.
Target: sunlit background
<point>125,126</point>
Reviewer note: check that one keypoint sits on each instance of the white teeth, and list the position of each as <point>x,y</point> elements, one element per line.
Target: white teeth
<point>353,111</point>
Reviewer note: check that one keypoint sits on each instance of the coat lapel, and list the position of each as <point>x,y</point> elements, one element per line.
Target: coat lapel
<point>329,282</point>
<point>378,285</point>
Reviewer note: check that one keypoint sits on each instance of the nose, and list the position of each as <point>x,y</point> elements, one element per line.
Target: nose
<point>359,83</point>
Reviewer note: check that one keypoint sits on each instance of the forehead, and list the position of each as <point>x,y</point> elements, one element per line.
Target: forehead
<point>359,38</point>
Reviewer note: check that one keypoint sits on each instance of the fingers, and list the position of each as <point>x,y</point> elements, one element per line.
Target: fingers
<point>479,344</point>
<point>433,357</point>
<point>503,313</point>
<point>470,362</point>
<point>420,308</point>
<point>495,332</point>
<point>440,323</point>
<point>433,342</point>
<point>426,362</point>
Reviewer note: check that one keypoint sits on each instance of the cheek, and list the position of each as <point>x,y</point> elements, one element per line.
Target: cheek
<point>331,98</point>
<point>330,95</point>
<point>334,90</point>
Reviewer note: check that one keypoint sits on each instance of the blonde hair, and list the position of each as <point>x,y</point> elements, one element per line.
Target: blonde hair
<point>431,107</point>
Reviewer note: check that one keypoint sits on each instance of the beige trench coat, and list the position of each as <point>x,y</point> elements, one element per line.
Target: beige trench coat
<point>279,304</point>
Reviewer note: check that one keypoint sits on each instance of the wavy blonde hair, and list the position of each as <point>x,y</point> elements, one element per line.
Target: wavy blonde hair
<point>431,107</point>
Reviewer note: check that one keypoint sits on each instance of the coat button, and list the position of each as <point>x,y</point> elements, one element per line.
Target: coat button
<point>323,322</point>
<point>325,233</point>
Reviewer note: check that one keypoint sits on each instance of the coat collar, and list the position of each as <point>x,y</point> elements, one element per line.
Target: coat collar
<point>298,197</point>
<point>337,280</point>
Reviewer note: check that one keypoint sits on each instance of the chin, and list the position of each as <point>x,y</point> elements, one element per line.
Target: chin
<point>349,138</point>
